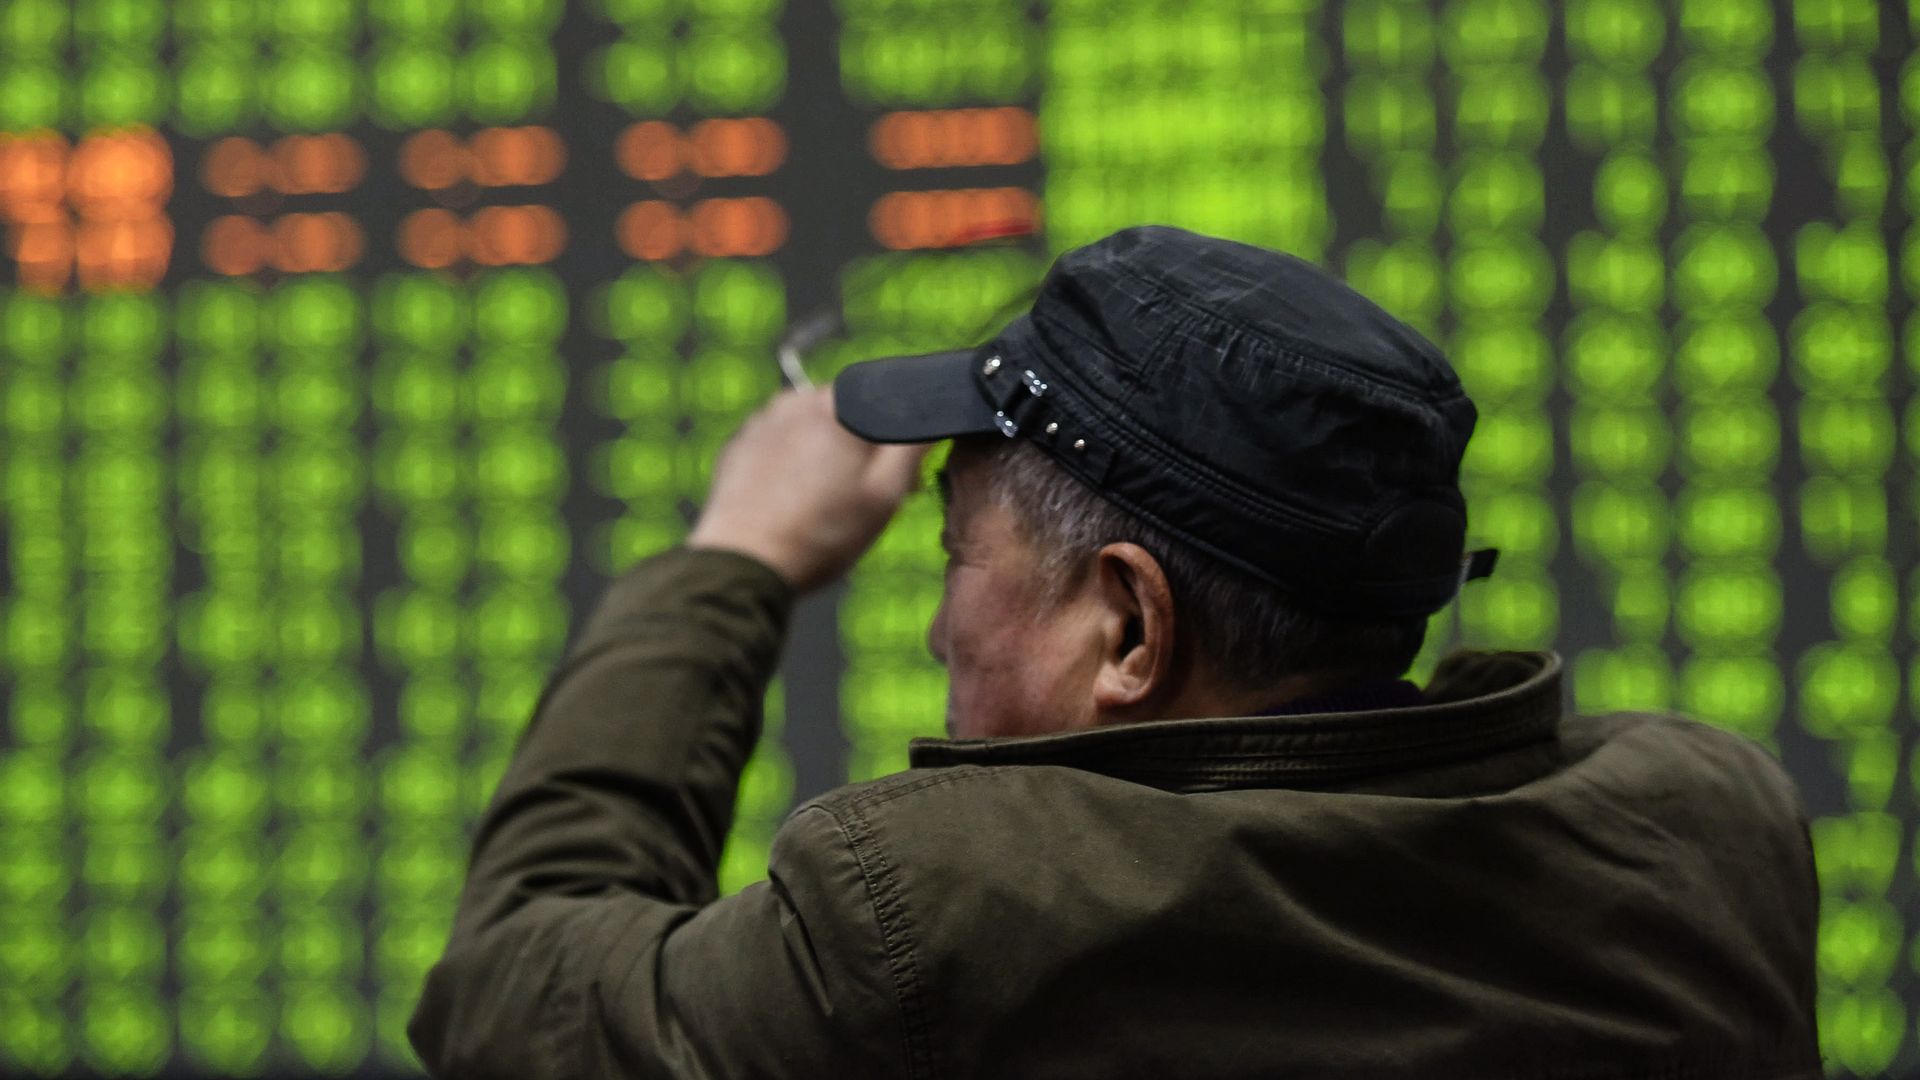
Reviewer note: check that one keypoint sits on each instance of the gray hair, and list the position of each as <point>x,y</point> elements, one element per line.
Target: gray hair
<point>1248,631</point>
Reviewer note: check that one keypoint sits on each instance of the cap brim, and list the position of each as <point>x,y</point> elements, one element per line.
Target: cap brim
<point>912,399</point>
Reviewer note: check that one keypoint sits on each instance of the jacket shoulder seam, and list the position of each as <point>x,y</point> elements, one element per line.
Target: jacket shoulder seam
<point>887,789</point>
<point>896,931</point>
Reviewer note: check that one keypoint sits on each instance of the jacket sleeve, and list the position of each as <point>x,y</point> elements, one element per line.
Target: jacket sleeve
<point>587,941</point>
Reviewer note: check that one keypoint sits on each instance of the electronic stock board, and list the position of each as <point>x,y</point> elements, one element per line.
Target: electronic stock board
<point>348,348</point>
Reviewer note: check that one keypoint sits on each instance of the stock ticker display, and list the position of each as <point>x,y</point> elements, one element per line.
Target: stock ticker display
<point>348,347</point>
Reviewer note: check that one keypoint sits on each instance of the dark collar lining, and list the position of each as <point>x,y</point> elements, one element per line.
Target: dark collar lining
<point>1518,701</point>
<point>1355,697</point>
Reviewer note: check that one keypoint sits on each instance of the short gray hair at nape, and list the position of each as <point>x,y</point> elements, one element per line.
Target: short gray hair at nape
<point>1246,630</point>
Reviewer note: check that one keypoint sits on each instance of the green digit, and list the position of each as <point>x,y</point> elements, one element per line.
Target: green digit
<point>221,868</point>
<point>34,26</point>
<point>1847,264</point>
<point>121,944</point>
<point>739,302</point>
<point>228,1030</point>
<point>316,943</point>
<point>1618,357</point>
<point>1608,108</point>
<point>639,76</point>
<point>1630,193</point>
<point>1513,274</point>
<point>34,874</point>
<point>416,18</point>
<point>1846,436</point>
<point>305,20</point>
<point>520,306</point>
<point>1836,94</point>
<point>1721,604</point>
<point>422,311</point>
<point>322,862</point>
<point>417,628</point>
<point>413,85</point>
<point>436,549</point>
<point>1523,612</point>
<point>125,1030</point>
<point>1502,107</point>
<point>1489,31</point>
<point>1621,34</point>
<point>316,312</point>
<point>508,693</point>
<point>1741,693</point>
<point>513,383</point>
<point>435,706</point>
<point>1740,436</point>
<point>1712,99</point>
<point>1722,355</point>
<point>421,865</point>
<point>36,1031</point>
<point>1388,34</point>
<point>327,1026</point>
<point>741,71</point>
<point>330,707</point>
<point>524,546</point>
<point>122,92</point>
<point>516,622</point>
<point>224,788</point>
<point>1723,522</point>
<point>1723,266</point>
<point>1632,677</point>
<point>1403,277</point>
<point>507,80</point>
<point>1847,690</point>
<point>1620,523</point>
<point>1728,27</point>
<point>1859,941</point>
<point>418,784</point>
<point>1727,181</point>
<point>1840,518</point>
<point>309,90</point>
<point>1387,114</point>
<point>1862,1031</point>
<point>1623,439</point>
<point>521,17</point>
<point>1522,523</point>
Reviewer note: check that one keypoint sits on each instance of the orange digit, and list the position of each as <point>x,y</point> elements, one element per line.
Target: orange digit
<point>434,160</point>
<point>234,245</point>
<point>45,253</point>
<point>431,238</point>
<point>651,230</point>
<point>232,168</point>
<point>650,150</point>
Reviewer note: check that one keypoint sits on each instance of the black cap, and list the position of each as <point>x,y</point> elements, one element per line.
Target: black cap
<point>1242,400</point>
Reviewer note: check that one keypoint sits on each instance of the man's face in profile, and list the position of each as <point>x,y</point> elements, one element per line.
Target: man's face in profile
<point>1016,665</point>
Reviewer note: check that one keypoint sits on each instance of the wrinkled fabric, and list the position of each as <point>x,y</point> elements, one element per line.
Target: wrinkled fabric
<point>1475,886</point>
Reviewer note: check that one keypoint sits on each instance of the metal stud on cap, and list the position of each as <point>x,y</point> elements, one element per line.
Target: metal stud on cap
<point>1079,444</point>
<point>1053,428</point>
<point>992,365</point>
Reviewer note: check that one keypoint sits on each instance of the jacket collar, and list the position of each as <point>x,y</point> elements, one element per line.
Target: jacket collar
<point>1477,703</point>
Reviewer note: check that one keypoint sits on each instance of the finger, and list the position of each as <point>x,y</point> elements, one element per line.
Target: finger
<point>817,400</point>
<point>894,470</point>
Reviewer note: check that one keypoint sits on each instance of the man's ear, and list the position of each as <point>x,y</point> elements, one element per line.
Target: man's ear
<point>1136,628</point>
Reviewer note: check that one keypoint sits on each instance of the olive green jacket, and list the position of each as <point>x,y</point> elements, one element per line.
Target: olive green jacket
<point>1475,887</point>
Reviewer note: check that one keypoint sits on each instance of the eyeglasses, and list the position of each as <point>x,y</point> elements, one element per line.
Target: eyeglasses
<point>801,338</point>
<point>828,321</point>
